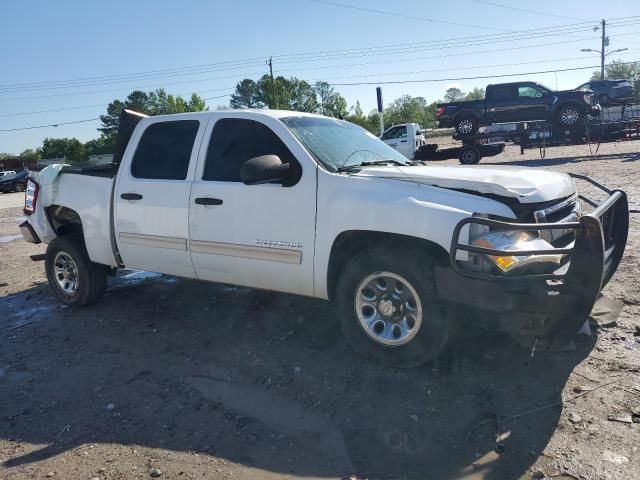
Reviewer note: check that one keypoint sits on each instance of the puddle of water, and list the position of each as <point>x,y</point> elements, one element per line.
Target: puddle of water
<point>10,238</point>
<point>134,277</point>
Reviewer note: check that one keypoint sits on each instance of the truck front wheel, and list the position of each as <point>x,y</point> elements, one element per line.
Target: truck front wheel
<point>569,116</point>
<point>73,278</point>
<point>466,126</point>
<point>389,311</point>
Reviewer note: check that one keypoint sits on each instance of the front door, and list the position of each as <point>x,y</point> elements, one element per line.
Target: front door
<point>531,104</point>
<point>152,197</point>
<point>253,235</point>
<point>396,137</point>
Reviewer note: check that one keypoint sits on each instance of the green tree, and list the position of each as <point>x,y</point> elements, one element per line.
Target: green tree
<point>69,148</point>
<point>475,94</point>
<point>453,94</point>
<point>99,146</point>
<point>30,155</point>
<point>369,122</point>
<point>157,102</point>
<point>5,156</point>
<point>331,103</point>
<point>247,95</point>
<point>406,109</point>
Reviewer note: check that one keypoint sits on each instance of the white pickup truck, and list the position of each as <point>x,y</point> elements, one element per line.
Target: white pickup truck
<point>406,138</point>
<point>315,206</point>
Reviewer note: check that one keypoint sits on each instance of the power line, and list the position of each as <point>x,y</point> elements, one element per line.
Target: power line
<point>413,49</point>
<point>464,68</point>
<point>493,4</point>
<point>402,15</point>
<point>367,83</point>
<point>49,125</point>
<point>479,77</point>
<point>298,57</point>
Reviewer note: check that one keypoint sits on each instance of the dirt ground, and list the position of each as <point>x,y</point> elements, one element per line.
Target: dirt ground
<point>180,379</point>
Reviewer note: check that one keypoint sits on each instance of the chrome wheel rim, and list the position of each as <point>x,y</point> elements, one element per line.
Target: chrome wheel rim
<point>570,116</point>
<point>66,273</point>
<point>19,188</point>
<point>388,308</point>
<point>465,126</point>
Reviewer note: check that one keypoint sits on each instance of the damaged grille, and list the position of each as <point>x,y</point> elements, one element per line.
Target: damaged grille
<point>564,211</point>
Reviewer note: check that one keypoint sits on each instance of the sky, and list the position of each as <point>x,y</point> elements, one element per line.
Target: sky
<point>75,56</point>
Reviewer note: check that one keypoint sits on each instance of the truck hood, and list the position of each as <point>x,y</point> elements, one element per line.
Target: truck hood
<point>527,185</point>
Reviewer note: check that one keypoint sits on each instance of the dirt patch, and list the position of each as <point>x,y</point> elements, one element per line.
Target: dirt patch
<point>192,380</point>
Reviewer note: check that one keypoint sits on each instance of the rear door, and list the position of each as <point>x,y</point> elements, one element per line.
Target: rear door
<point>152,195</point>
<point>502,105</point>
<point>254,235</point>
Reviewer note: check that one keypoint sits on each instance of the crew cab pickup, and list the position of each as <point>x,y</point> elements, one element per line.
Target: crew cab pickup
<point>309,205</point>
<point>517,102</point>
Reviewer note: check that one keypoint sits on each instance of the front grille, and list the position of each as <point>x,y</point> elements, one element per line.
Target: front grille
<point>564,211</point>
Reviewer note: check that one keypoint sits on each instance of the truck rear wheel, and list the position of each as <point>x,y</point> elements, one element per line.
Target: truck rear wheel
<point>466,126</point>
<point>389,311</point>
<point>74,279</point>
<point>469,155</point>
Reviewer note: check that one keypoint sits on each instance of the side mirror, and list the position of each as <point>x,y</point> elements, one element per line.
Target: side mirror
<point>264,169</point>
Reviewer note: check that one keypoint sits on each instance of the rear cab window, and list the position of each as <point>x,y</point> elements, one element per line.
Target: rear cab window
<point>164,150</point>
<point>504,92</point>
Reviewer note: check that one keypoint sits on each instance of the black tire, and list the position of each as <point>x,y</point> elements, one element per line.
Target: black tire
<point>570,116</point>
<point>469,155</point>
<point>91,277</point>
<point>467,125</point>
<point>604,100</point>
<point>436,329</point>
<point>19,188</point>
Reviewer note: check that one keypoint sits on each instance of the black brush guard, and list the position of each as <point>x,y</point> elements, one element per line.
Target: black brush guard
<point>559,302</point>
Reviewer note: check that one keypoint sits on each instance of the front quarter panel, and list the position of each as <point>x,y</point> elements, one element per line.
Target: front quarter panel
<point>350,202</point>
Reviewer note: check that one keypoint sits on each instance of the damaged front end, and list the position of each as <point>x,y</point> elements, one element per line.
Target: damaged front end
<point>539,288</point>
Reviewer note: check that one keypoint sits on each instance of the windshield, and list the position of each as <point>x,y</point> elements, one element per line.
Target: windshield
<point>338,144</point>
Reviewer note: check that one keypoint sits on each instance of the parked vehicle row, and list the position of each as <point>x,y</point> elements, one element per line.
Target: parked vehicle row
<point>315,206</point>
<point>16,182</point>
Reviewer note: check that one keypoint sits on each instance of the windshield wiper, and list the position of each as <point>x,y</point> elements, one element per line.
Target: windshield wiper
<point>350,168</point>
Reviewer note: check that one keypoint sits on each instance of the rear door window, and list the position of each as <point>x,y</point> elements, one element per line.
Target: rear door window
<point>507,92</point>
<point>164,150</point>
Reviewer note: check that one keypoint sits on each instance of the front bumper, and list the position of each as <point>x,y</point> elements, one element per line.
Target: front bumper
<point>550,307</point>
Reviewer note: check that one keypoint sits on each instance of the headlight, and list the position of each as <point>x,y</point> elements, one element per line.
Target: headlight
<point>518,240</point>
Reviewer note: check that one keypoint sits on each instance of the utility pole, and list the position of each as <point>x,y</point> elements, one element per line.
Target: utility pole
<point>604,41</point>
<point>273,84</point>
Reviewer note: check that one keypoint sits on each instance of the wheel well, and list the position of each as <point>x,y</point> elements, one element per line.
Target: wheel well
<point>64,220</point>
<point>572,104</point>
<point>464,114</point>
<point>350,243</point>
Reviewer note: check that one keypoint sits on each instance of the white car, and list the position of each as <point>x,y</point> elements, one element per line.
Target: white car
<point>315,206</point>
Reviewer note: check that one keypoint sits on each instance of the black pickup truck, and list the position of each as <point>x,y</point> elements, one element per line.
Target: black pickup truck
<point>517,102</point>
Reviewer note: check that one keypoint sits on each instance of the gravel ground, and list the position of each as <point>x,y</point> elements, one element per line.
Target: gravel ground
<point>180,379</point>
